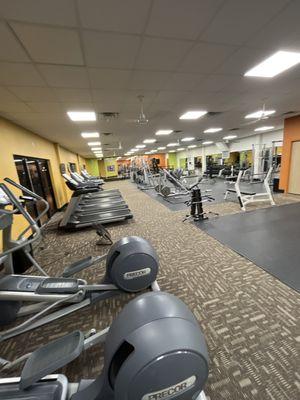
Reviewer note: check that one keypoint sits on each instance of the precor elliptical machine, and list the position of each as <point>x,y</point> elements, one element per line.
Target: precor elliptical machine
<point>131,266</point>
<point>154,350</point>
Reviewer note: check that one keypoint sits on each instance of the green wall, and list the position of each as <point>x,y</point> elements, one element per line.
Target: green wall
<point>172,160</point>
<point>92,166</point>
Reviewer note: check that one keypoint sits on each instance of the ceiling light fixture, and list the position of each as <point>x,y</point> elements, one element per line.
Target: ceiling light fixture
<point>161,148</point>
<point>180,149</point>
<point>188,139</point>
<point>229,137</point>
<point>140,146</point>
<point>260,114</point>
<point>263,128</point>
<point>81,116</point>
<point>193,114</point>
<point>192,146</point>
<point>172,151</point>
<point>164,132</point>
<point>207,142</point>
<point>275,64</point>
<point>213,130</point>
<point>94,143</point>
<point>147,152</point>
<point>173,144</point>
<point>149,141</point>
<point>96,148</point>
<point>88,135</point>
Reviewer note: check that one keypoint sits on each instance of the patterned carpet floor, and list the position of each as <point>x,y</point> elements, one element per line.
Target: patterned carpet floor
<point>249,318</point>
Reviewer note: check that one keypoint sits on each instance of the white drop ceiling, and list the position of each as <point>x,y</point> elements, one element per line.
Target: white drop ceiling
<point>60,55</point>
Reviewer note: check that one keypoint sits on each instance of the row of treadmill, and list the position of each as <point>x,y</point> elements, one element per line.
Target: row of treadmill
<point>154,349</point>
<point>90,204</point>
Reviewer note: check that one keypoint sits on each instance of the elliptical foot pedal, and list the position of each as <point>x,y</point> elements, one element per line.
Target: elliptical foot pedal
<point>103,233</point>
<point>58,286</point>
<point>77,266</point>
<point>50,357</point>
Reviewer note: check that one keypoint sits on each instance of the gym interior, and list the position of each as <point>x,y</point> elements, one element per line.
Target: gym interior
<point>149,199</point>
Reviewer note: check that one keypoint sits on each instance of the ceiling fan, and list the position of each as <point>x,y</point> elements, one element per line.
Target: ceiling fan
<point>142,119</point>
<point>261,118</point>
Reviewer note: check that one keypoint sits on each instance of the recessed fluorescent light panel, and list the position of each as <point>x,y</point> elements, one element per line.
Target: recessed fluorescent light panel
<point>263,128</point>
<point>161,148</point>
<point>147,152</point>
<point>171,151</point>
<point>229,137</point>
<point>192,146</point>
<point>213,130</point>
<point>193,114</point>
<point>149,141</point>
<point>274,65</point>
<point>260,114</point>
<point>94,143</point>
<point>140,146</point>
<point>172,144</point>
<point>96,148</point>
<point>207,142</point>
<point>80,116</point>
<point>89,135</point>
<point>180,149</point>
<point>164,132</point>
<point>187,139</point>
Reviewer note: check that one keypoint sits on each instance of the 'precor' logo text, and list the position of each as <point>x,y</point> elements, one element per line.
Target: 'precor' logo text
<point>169,392</point>
<point>137,274</point>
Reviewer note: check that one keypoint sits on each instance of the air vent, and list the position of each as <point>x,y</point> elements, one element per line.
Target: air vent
<point>107,116</point>
<point>177,131</point>
<point>214,113</point>
<point>234,129</point>
<point>289,112</point>
<point>106,133</point>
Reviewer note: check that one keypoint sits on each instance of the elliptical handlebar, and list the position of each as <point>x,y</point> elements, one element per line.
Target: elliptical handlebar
<point>33,196</point>
<point>32,223</point>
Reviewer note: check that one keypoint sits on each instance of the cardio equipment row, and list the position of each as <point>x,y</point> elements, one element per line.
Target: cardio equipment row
<point>154,349</point>
<point>90,204</point>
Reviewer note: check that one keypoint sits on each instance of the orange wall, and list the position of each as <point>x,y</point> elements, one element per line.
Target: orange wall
<point>291,134</point>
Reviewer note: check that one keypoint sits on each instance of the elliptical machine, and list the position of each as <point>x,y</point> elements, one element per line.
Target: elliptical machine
<point>153,350</point>
<point>131,266</point>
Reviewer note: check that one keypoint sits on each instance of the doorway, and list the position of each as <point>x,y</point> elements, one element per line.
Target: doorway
<point>294,179</point>
<point>34,174</point>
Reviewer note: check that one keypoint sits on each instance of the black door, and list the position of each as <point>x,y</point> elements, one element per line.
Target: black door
<point>34,174</point>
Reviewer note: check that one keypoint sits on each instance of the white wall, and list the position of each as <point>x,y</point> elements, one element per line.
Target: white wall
<point>241,145</point>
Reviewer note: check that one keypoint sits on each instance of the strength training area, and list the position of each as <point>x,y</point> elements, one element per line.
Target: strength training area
<point>149,200</point>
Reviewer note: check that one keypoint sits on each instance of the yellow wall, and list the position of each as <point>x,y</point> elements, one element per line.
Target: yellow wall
<point>15,140</point>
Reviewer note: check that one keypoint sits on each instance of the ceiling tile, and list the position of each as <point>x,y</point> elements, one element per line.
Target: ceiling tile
<point>33,93</point>
<point>43,107</point>
<point>8,96</point>
<point>58,12</point>
<point>148,80</point>
<point>110,50</point>
<point>282,33</point>
<point>11,50</point>
<point>161,54</point>
<point>50,45</point>
<point>205,58</point>
<point>69,94</point>
<point>181,19</point>
<point>62,76</point>
<point>19,75</point>
<point>114,15</point>
<point>108,78</point>
<point>182,81</point>
<point>238,20</point>
<point>215,83</point>
<point>13,107</point>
